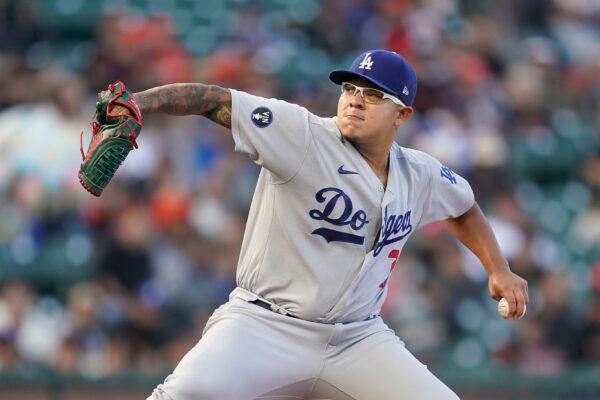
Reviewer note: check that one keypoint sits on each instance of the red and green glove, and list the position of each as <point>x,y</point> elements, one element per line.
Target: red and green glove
<point>115,128</point>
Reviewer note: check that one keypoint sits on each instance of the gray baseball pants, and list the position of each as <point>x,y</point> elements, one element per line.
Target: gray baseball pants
<point>248,352</point>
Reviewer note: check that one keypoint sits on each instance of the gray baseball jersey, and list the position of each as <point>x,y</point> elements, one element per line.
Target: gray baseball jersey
<point>323,234</point>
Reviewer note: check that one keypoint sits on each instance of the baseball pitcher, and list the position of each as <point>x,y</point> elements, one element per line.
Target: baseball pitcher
<point>335,202</point>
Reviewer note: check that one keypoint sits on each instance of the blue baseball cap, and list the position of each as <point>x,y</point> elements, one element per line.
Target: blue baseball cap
<point>386,69</point>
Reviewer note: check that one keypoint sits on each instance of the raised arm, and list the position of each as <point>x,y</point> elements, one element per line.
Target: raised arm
<point>211,101</point>
<point>473,230</point>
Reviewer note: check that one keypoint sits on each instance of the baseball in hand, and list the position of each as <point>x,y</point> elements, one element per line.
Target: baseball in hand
<point>503,308</point>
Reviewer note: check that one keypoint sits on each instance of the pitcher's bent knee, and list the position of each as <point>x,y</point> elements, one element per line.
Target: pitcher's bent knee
<point>159,394</point>
<point>199,386</point>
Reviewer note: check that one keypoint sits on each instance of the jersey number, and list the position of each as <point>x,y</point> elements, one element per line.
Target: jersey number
<point>394,255</point>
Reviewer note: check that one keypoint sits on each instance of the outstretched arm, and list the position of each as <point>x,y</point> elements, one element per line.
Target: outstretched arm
<point>473,230</point>
<point>211,101</point>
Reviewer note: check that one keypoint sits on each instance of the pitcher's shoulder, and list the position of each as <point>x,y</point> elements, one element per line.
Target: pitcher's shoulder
<point>324,125</point>
<point>413,156</point>
<point>326,122</point>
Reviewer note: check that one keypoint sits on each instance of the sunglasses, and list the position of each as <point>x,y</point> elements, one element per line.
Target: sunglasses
<point>370,95</point>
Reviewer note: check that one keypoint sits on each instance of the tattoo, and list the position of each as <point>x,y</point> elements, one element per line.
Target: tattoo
<point>211,101</point>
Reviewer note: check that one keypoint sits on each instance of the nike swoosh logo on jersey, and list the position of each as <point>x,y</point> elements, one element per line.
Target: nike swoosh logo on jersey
<point>343,171</point>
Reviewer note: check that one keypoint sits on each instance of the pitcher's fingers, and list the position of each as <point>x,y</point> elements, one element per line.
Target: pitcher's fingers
<point>526,297</point>
<point>520,303</point>
<point>512,305</point>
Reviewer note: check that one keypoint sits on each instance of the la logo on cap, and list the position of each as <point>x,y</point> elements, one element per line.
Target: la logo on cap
<point>366,62</point>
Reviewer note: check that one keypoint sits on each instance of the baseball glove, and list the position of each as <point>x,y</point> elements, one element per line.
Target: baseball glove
<point>115,127</point>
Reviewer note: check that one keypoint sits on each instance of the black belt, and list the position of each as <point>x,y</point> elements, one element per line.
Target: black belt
<point>267,306</point>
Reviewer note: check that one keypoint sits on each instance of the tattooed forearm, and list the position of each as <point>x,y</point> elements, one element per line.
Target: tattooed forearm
<point>213,102</point>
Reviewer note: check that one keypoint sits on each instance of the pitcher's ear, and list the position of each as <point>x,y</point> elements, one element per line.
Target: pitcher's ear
<point>403,115</point>
<point>406,112</point>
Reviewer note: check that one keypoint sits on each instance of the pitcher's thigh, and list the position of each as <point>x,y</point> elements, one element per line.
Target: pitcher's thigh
<point>238,358</point>
<point>381,368</point>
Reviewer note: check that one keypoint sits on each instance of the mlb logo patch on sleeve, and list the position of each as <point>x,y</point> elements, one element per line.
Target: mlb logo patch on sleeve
<point>261,117</point>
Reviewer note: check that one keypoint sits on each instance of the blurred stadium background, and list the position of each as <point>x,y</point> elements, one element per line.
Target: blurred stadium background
<point>101,297</point>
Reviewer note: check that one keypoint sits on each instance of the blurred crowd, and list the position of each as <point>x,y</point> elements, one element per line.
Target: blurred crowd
<point>509,97</point>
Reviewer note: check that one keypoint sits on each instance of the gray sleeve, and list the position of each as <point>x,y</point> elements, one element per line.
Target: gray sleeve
<point>449,194</point>
<point>274,133</point>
